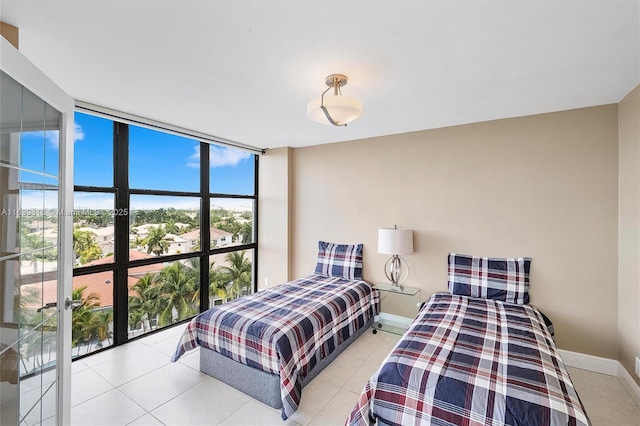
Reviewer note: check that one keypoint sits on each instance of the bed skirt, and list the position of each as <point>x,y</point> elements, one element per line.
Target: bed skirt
<point>263,386</point>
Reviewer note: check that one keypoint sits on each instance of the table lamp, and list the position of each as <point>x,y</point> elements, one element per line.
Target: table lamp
<point>395,241</point>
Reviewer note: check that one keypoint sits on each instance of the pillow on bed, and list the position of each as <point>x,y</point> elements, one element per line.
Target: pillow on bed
<point>505,279</point>
<point>339,260</point>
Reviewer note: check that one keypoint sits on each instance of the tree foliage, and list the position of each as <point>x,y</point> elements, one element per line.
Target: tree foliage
<point>161,299</point>
<point>89,324</point>
<point>85,246</point>
<point>155,241</point>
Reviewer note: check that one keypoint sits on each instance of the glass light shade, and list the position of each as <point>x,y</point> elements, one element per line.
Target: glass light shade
<point>395,241</point>
<point>342,109</point>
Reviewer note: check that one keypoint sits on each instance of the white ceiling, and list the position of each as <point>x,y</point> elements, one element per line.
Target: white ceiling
<point>244,70</point>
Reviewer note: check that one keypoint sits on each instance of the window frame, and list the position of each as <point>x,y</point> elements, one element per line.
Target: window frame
<point>122,196</point>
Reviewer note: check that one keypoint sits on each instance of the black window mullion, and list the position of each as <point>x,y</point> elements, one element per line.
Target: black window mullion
<point>254,225</point>
<point>205,226</point>
<point>121,223</point>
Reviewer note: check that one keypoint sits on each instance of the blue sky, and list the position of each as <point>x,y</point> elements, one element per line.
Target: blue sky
<point>157,161</point>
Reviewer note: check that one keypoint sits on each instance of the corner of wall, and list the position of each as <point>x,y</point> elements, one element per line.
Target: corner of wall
<point>629,232</point>
<point>290,212</point>
<point>274,217</point>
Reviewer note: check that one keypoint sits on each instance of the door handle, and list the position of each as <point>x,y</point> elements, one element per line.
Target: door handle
<point>72,303</point>
<point>47,306</point>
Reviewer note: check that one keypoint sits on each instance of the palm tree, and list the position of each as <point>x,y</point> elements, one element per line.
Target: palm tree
<point>238,273</point>
<point>85,246</point>
<point>90,254</point>
<point>246,232</point>
<point>82,240</point>
<point>141,304</point>
<point>136,319</point>
<point>100,326</point>
<point>193,220</point>
<point>101,218</point>
<point>49,342</point>
<point>171,227</point>
<point>176,289</point>
<point>29,242</point>
<point>82,317</point>
<point>31,350</point>
<point>140,217</point>
<point>138,241</point>
<point>192,270</point>
<point>155,241</point>
<point>217,280</point>
<point>28,318</point>
<point>159,215</point>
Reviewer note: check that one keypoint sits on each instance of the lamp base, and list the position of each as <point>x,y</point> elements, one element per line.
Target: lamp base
<point>394,271</point>
<point>396,287</point>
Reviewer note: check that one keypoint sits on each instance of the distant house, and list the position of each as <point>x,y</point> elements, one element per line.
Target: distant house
<point>143,230</point>
<point>104,237</point>
<point>177,243</point>
<point>49,235</point>
<point>40,225</point>
<point>219,238</point>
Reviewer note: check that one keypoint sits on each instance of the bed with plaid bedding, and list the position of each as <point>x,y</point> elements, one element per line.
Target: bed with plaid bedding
<point>285,330</point>
<point>472,361</point>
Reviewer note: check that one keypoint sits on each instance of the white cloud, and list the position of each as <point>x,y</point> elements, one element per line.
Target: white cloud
<point>78,133</point>
<point>219,156</point>
<point>194,160</point>
<point>52,137</point>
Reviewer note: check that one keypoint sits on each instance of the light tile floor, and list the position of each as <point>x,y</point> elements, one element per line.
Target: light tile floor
<point>136,384</point>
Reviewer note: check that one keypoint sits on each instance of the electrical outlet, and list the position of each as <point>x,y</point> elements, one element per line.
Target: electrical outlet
<point>637,366</point>
<point>266,284</point>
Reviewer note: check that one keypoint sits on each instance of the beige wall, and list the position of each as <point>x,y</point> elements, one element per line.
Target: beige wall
<point>544,186</point>
<point>629,232</point>
<point>10,33</point>
<point>274,217</point>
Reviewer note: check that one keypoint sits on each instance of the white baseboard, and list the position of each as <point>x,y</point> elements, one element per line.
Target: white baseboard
<point>607,366</point>
<point>629,384</point>
<point>589,362</point>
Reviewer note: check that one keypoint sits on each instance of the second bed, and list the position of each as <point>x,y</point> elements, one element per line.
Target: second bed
<point>273,342</point>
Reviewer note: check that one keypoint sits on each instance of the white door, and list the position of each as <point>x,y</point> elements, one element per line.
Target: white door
<point>36,203</point>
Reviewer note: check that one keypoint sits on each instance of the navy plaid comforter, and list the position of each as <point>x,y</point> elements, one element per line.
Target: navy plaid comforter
<point>286,329</point>
<point>475,362</point>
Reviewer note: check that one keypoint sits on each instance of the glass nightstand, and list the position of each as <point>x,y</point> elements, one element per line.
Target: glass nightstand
<point>400,297</point>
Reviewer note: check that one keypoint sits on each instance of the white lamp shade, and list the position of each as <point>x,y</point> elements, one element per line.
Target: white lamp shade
<point>395,241</point>
<point>342,109</point>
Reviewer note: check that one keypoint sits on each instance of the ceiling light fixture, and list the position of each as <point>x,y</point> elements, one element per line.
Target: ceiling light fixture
<point>336,110</point>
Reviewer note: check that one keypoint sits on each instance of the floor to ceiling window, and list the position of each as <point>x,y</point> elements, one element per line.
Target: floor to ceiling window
<point>164,228</point>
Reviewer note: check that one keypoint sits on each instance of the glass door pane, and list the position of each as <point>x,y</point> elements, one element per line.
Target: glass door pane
<point>29,174</point>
